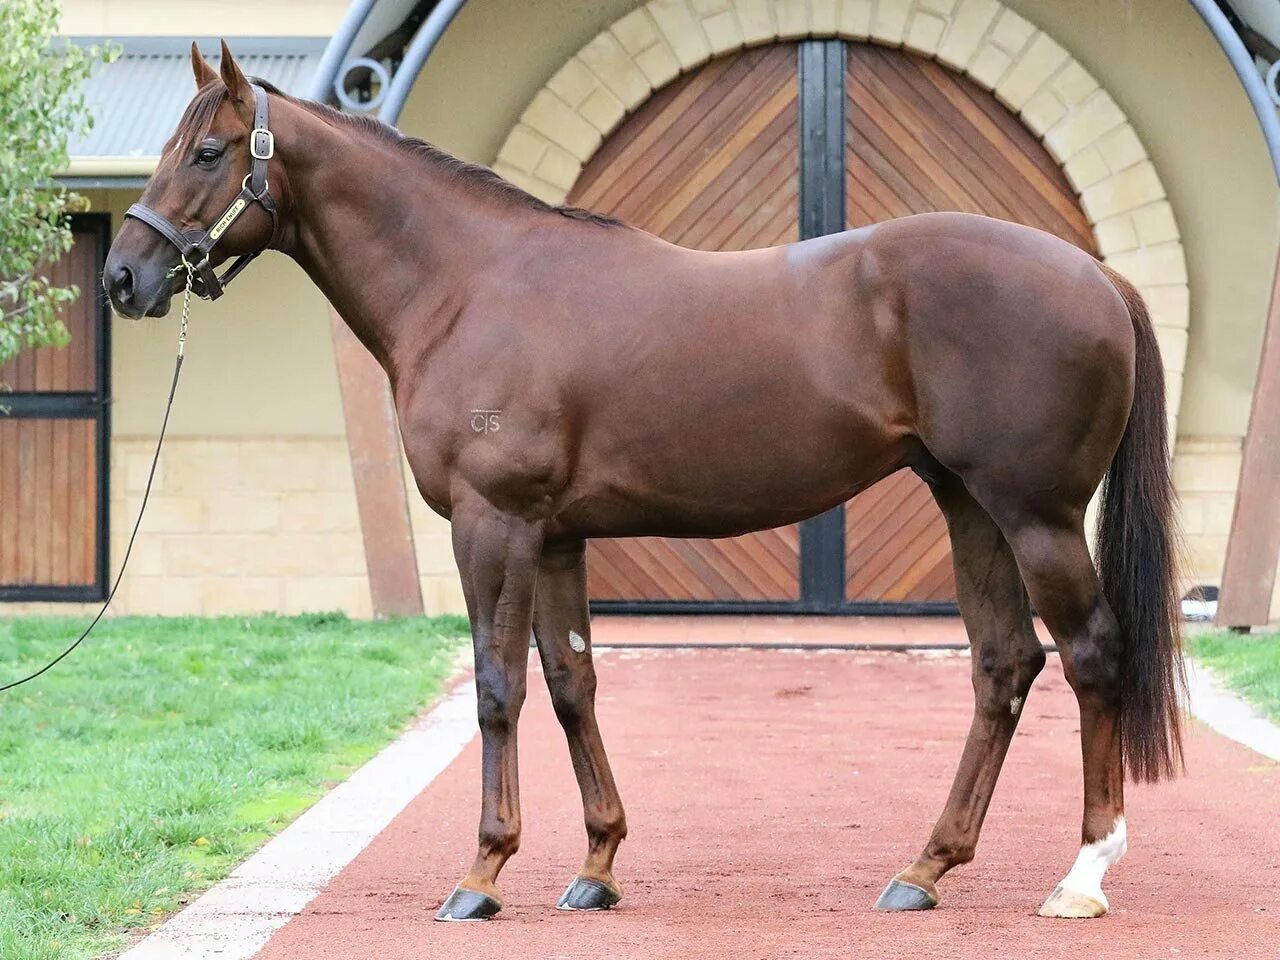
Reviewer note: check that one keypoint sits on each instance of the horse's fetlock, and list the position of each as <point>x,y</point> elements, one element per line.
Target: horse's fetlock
<point>500,838</point>
<point>945,854</point>
<point>957,855</point>
<point>605,826</point>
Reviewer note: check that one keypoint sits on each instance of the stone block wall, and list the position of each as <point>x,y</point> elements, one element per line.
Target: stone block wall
<point>251,525</point>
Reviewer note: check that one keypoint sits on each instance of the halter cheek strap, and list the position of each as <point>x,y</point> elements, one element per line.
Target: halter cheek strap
<point>196,248</point>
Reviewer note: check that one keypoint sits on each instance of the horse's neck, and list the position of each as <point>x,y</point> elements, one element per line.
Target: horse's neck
<point>390,241</point>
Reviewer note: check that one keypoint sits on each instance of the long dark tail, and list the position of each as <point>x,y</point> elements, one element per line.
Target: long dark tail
<point>1137,559</point>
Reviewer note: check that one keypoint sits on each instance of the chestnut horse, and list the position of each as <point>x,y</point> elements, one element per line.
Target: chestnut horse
<point>635,388</point>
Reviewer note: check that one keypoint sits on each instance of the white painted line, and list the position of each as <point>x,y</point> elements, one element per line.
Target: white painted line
<point>234,919</point>
<point>1213,705</point>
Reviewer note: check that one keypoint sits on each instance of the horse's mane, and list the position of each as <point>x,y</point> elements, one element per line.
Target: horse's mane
<point>200,115</point>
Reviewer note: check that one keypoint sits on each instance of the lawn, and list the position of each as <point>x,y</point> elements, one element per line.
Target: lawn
<point>165,751</point>
<point>1249,665</point>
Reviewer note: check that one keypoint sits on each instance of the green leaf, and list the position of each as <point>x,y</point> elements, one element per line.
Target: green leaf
<point>41,107</point>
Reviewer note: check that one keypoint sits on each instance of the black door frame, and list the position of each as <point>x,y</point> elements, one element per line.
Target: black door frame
<point>78,405</point>
<point>822,211</point>
<point>821,66</point>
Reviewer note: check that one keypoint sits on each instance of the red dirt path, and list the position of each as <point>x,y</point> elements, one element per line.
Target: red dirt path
<point>755,630</point>
<point>770,795</point>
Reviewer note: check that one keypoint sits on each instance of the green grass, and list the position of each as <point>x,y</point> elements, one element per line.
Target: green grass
<point>164,751</point>
<point>1249,665</point>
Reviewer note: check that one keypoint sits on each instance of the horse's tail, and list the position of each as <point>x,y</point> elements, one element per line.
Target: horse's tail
<point>1137,555</point>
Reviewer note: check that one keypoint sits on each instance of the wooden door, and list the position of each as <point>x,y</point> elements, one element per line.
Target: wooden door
<point>919,138</point>
<point>710,162</point>
<point>53,434</point>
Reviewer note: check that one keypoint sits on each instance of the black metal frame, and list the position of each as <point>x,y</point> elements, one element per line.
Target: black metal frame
<point>78,405</point>
<point>821,68</point>
<point>846,608</point>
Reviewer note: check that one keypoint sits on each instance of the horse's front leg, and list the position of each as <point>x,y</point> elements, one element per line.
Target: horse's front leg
<point>497,558</point>
<point>561,625</point>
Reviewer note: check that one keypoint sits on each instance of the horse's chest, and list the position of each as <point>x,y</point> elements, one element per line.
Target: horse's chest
<point>504,454</point>
<point>430,473</point>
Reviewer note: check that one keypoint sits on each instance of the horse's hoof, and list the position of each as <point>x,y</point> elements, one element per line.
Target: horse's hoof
<point>1070,904</point>
<point>466,904</point>
<point>587,894</point>
<point>900,895</point>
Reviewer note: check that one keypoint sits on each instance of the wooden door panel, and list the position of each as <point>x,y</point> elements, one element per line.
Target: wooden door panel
<point>74,367</point>
<point>710,162</point>
<point>919,138</point>
<point>53,424</point>
<point>48,492</point>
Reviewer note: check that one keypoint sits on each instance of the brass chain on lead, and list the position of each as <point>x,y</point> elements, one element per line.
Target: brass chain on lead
<point>186,305</point>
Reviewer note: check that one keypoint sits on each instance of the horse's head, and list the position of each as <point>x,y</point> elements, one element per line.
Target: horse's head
<point>208,199</point>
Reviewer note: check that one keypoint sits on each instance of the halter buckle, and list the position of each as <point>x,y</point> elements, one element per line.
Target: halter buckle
<point>262,144</point>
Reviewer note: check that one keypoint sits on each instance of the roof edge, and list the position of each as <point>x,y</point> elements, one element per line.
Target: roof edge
<point>210,46</point>
<point>109,167</point>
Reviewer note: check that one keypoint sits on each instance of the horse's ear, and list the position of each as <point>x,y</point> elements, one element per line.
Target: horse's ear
<point>200,67</point>
<point>237,86</point>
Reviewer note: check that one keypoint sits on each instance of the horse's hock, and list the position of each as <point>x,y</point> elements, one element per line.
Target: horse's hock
<point>1052,94</point>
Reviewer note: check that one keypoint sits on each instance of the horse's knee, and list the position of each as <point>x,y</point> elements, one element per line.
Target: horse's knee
<point>1004,677</point>
<point>573,698</point>
<point>498,699</point>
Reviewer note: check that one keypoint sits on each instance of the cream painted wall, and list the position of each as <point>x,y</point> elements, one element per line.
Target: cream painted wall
<point>201,18</point>
<point>1154,56</point>
<point>1165,70</point>
<point>259,361</point>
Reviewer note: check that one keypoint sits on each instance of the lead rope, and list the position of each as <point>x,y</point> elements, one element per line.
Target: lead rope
<point>146,494</point>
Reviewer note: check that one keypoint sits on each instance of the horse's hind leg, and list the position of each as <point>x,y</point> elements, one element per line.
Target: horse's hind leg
<point>1006,658</point>
<point>562,629</point>
<point>1060,576</point>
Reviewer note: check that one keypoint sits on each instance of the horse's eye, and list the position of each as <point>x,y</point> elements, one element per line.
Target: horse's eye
<point>208,156</point>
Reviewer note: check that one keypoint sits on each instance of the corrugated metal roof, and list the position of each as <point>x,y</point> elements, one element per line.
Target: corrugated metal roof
<point>138,100</point>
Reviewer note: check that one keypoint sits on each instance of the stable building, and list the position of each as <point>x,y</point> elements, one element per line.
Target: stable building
<point>717,124</point>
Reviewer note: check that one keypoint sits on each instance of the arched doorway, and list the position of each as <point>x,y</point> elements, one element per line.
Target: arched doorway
<point>716,160</point>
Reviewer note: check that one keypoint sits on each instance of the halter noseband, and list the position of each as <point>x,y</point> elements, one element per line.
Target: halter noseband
<point>195,250</point>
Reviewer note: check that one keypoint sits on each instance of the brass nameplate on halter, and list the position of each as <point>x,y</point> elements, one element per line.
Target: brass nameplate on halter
<point>228,218</point>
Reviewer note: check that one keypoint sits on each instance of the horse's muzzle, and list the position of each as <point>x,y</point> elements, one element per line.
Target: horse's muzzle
<point>136,290</point>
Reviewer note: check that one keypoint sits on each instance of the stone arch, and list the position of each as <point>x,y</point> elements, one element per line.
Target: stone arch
<point>1036,78</point>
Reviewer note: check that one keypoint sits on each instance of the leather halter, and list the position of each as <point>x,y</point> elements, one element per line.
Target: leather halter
<point>195,247</point>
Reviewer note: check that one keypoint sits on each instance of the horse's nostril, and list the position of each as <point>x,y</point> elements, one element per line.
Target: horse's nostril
<point>122,286</point>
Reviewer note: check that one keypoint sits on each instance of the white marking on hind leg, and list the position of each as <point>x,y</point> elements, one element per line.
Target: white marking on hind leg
<point>1093,861</point>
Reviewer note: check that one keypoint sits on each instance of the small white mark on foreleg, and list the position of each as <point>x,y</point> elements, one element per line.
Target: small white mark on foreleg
<point>576,643</point>
<point>1015,705</point>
